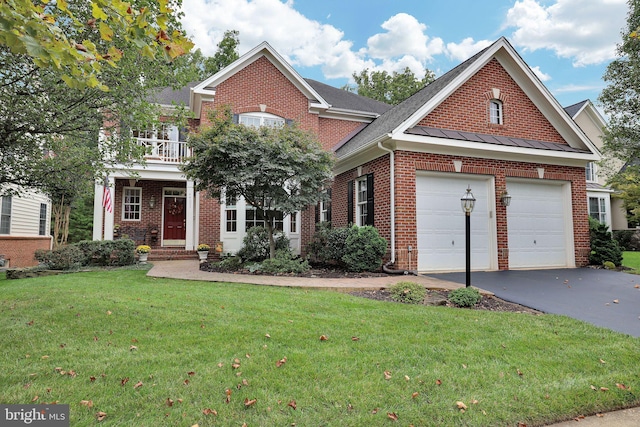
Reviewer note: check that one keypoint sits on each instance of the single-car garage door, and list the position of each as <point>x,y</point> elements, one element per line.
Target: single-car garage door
<point>441,224</point>
<point>539,224</point>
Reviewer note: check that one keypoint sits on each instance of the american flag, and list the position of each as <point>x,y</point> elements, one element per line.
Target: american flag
<point>106,196</point>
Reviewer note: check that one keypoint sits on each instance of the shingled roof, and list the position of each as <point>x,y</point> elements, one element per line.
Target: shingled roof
<point>572,110</point>
<point>345,100</point>
<point>171,96</point>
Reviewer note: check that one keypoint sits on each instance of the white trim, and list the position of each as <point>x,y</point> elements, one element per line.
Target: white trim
<point>124,203</point>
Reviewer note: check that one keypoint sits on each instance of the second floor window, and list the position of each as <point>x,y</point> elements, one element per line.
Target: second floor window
<point>592,172</point>
<point>260,119</point>
<point>495,112</point>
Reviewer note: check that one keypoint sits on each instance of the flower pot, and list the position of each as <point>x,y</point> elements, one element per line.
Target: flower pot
<point>142,258</point>
<point>203,255</point>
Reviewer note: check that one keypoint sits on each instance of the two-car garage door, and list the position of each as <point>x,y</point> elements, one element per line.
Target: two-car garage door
<point>538,221</point>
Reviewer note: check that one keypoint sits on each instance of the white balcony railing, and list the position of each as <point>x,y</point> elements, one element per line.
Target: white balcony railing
<point>165,151</point>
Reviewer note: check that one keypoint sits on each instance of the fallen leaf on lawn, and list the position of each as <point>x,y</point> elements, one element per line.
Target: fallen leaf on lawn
<point>228,393</point>
<point>593,387</point>
<point>464,366</point>
<point>292,404</point>
<point>108,312</point>
<point>387,375</point>
<point>604,389</point>
<point>138,385</point>
<point>30,323</point>
<point>393,416</point>
<point>191,373</point>
<point>474,402</point>
<point>238,374</point>
<point>245,382</point>
<point>235,365</point>
<point>350,407</point>
<point>622,386</point>
<point>185,382</point>
<point>602,361</point>
<point>95,338</point>
<point>124,381</point>
<point>406,377</point>
<point>323,338</point>
<point>579,417</point>
<point>375,411</point>
<point>267,335</point>
<point>209,411</point>
<point>169,402</point>
<point>26,386</point>
<point>438,382</point>
<point>461,405</point>
<point>414,394</point>
<point>220,365</point>
<point>45,357</point>
<point>519,372</point>
<point>281,362</point>
<point>36,397</point>
<point>87,403</point>
<point>92,378</point>
<point>101,415</point>
<point>249,402</point>
<point>355,339</point>
<point>132,348</point>
<point>615,301</point>
<point>522,425</point>
<point>248,356</point>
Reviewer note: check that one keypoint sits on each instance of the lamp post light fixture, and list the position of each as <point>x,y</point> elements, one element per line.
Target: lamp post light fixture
<point>468,202</point>
<point>505,198</point>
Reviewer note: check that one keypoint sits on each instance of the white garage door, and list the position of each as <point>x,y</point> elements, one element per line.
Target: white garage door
<point>441,223</point>
<point>538,227</point>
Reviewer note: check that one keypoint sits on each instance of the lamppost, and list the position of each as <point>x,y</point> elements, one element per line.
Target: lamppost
<point>468,201</point>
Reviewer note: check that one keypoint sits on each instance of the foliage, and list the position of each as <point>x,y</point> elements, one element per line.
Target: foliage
<point>86,322</point>
<point>277,170</point>
<point>603,246</point>
<point>232,263</point>
<point>328,244</point>
<point>204,247</point>
<point>627,185</point>
<point>199,67</point>
<point>81,218</point>
<point>623,237</point>
<point>77,38</point>
<point>255,244</point>
<point>63,258</point>
<point>408,292</point>
<point>390,88</point>
<point>621,97</point>
<point>143,249</point>
<point>284,262</point>
<point>364,249</point>
<point>465,297</point>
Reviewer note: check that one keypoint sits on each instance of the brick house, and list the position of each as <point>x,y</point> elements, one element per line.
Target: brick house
<point>488,124</point>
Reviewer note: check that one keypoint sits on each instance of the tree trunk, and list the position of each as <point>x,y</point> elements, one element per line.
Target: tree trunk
<point>272,243</point>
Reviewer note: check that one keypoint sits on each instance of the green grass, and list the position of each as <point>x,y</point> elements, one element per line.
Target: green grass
<point>632,260</point>
<point>183,330</point>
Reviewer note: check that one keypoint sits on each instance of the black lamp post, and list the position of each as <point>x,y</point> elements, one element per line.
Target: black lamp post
<point>468,201</point>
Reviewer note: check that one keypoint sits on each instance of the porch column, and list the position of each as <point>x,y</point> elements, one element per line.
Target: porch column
<point>98,211</point>
<point>190,243</point>
<point>108,216</point>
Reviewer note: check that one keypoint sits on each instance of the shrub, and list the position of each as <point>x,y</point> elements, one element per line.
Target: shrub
<point>465,297</point>
<point>624,239</point>
<point>329,245</point>
<point>609,265</point>
<point>408,292</point>
<point>108,252</point>
<point>64,258</point>
<point>284,263</point>
<point>603,247</point>
<point>232,263</point>
<point>364,249</point>
<point>255,245</point>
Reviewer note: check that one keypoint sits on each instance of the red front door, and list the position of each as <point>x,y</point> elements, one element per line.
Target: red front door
<point>174,218</point>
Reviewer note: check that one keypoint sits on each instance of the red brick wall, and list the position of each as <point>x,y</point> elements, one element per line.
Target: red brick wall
<point>20,250</point>
<point>333,131</point>
<point>209,231</point>
<point>467,109</point>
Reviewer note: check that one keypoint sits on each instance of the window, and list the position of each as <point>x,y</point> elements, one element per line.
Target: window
<point>231,215</point>
<point>254,218</point>
<point>592,172</point>
<point>598,209</point>
<point>131,203</point>
<point>5,215</point>
<point>325,208</point>
<point>360,193</point>
<point>164,132</point>
<point>42,229</point>
<point>495,112</point>
<point>259,119</point>
<point>293,224</point>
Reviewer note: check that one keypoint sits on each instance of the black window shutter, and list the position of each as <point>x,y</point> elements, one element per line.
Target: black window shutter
<point>370,199</point>
<point>318,212</point>
<point>350,203</point>
<point>236,119</point>
<point>329,205</point>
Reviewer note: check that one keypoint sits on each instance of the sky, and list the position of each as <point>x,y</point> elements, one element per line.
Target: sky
<point>568,43</point>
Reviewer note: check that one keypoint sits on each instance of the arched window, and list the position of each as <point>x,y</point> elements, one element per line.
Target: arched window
<point>495,112</point>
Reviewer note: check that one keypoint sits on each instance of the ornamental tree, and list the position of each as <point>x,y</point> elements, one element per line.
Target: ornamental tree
<point>275,169</point>
<point>390,88</point>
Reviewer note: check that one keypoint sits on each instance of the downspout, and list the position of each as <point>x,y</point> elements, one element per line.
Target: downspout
<point>392,193</point>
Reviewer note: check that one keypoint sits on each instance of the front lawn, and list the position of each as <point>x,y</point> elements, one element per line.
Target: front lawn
<point>160,352</point>
<point>631,259</point>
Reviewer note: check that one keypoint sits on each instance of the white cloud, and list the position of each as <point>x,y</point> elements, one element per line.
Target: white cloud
<point>467,48</point>
<point>586,31</point>
<point>578,88</point>
<point>542,76</point>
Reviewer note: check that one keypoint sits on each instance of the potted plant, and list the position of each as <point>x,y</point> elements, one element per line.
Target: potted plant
<point>203,251</point>
<point>143,253</point>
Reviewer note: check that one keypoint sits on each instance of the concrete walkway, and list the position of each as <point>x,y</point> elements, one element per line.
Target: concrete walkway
<point>188,270</point>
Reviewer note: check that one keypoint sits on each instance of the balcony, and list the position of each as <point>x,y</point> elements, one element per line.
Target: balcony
<point>164,151</point>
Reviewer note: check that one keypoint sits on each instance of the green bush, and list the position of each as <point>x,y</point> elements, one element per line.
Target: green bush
<point>328,244</point>
<point>255,245</point>
<point>284,263</point>
<point>408,292</point>
<point>603,247</point>
<point>465,297</point>
<point>623,237</point>
<point>64,258</point>
<point>108,252</point>
<point>364,249</point>
<point>232,263</point>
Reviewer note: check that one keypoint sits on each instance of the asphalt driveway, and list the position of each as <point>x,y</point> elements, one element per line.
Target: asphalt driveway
<point>601,297</point>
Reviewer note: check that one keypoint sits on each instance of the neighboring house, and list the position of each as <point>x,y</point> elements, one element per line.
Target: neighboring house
<point>599,202</point>
<point>488,124</point>
<point>25,224</point>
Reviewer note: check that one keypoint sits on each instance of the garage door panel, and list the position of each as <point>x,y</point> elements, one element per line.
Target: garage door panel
<point>537,226</point>
<point>441,223</point>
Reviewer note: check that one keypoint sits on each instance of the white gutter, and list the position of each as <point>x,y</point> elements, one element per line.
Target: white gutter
<point>393,199</point>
